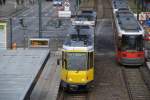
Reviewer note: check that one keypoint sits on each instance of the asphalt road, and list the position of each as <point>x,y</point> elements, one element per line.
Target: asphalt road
<point>50,28</point>
<point>30,20</point>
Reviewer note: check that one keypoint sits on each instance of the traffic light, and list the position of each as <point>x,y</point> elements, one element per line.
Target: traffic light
<point>17,1</point>
<point>22,2</point>
<point>0,2</point>
<point>4,2</point>
<point>21,22</point>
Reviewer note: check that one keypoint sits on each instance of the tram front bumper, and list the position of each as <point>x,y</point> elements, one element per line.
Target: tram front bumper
<point>132,61</point>
<point>75,86</point>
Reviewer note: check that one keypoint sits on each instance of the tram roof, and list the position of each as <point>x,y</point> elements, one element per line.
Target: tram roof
<point>88,13</point>
<point>127,21</point>
<point>83,39</point>
<point>85,17</point>
<point>120,4</point>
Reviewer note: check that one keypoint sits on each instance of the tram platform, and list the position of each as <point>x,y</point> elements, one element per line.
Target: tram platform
<point>48,85</point>
<point>20,71</point>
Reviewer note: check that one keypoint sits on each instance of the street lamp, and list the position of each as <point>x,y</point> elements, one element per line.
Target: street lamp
<point>40,18</point>
<point>137,3</point>
<point>11,33</point>
<point>24,28</point>
<point>78,3</point>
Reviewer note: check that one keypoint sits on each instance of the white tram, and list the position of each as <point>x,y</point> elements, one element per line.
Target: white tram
<point>129,36</point>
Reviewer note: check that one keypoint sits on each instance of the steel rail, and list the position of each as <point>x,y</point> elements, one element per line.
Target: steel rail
<point>68,95</point>
<point>135,84</point>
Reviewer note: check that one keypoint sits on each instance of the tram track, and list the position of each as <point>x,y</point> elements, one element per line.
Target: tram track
<point>135,84</point>
<point>107,9</point>
<point>146,74</point>
<point>63,95</point>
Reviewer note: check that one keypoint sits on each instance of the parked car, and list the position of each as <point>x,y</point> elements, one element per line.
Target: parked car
<point>57,2</point>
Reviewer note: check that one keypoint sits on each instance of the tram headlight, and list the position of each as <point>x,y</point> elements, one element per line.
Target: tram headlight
<point>140,55</point>
<point>83,79</point>
<point>70,79</point>
<point>124,55</point>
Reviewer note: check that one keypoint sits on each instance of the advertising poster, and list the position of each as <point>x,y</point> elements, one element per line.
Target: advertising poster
<point>3,34</point>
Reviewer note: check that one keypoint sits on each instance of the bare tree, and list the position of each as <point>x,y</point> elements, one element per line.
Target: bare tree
<point>0,2</point>
<point>18,2</point>
<point>22,1</point>
<point>4,2</point>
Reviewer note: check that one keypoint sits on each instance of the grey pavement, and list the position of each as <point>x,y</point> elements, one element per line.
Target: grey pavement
<point>50,30</point>
<point>19,71</point>
<point>48,85</point>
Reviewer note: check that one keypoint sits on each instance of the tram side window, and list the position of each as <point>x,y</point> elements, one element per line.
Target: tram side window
<point>63,60</point>
<point>91,59</point>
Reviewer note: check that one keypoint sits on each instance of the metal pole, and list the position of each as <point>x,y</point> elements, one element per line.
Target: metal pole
<point>11,33</point>
<point>78,3</point>
<point>142,5</point>
<point>137,9</point>
<point>95,4</point>
<point>40,18</point>
<point>24,34</point>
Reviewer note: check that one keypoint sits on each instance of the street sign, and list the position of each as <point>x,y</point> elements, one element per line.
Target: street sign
<point>142,16</point>
<point>65,14</point>
<point>66,6</point>
<point>3,35</point>
<point>38,43</point>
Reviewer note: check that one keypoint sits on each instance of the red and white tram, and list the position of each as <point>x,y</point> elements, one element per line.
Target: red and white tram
<point>129,36</point>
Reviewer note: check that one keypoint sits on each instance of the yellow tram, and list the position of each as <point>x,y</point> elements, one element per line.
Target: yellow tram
<point>78,60</point>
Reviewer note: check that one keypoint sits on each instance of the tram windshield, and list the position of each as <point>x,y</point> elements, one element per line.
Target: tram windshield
<point>132,43</point>
<point>85,17</point>
<point>77,61</point>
